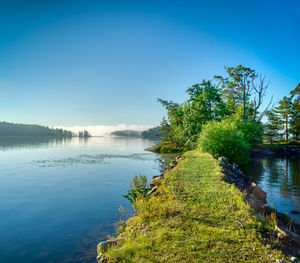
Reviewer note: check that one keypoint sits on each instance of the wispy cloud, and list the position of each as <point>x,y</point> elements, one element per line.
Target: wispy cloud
<point>102,130</point>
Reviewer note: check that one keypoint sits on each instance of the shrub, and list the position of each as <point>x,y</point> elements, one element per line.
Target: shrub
<point>171,149</point>
<point>252,131</point>
<point>225,139</point>
<point>138,189</point>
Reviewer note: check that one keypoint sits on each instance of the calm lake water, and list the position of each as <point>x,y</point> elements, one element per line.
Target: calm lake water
<point>280,178</point>
<point>59,198</point>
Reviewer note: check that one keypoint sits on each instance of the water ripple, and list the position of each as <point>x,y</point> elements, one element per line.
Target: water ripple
<point>91,159</point>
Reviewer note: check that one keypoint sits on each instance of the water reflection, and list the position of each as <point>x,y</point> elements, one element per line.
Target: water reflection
<point>60,197</point>
<point>280,178</point>
<point>19,142</point>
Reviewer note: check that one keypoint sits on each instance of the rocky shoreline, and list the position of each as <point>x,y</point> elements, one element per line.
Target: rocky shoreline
<point>287,231</point>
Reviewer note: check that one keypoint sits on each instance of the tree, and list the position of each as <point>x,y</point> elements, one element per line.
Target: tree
<point>86,134</point>
<point>273,127</point>
<point>185,120</point>
<point>295,112</point>
<point>284,109</point>
<point>244,87</point>
<point>296,92</point>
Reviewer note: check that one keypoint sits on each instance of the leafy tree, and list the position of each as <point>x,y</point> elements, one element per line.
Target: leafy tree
<point>284,109</point>
<point>185,120</point>
<point>175,114</point>
<point>165,129</point>
<point>243,87</point>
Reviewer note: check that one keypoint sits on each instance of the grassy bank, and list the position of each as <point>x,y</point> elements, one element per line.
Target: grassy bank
<point>166,148</point>
<point>194,217</point>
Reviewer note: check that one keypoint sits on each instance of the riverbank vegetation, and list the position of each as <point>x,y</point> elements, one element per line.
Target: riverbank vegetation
<point>231,104</point>
<point>194,216</point>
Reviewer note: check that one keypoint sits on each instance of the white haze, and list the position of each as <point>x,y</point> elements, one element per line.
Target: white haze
<point>103,130</point>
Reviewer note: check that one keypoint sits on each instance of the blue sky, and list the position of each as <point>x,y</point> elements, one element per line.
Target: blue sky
<point>68,63</point>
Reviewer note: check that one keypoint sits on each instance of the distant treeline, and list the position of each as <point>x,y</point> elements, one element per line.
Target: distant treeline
<point>152,133</point>
<point>16,129</point>
<point>127,133</point>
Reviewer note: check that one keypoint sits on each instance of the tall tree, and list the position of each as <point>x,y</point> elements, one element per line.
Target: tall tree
<point>273,127</point>
<point>295,112</point>
<point>284,109</point>
<point>244,87</point>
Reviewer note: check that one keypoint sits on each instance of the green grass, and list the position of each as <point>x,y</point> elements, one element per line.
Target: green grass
<point>196,217</point>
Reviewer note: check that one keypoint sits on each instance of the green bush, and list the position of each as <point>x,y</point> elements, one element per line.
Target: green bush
<point>138,189</point>
<point>171,149</point>
<point>225,139</point>
<point>252,131</point>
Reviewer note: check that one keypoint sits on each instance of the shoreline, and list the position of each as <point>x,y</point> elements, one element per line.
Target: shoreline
<point>285,230</point>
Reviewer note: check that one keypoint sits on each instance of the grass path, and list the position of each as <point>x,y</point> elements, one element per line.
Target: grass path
<point>196,217</point>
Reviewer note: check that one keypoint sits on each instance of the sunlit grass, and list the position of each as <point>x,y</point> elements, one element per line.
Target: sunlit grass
<point>196,217</point>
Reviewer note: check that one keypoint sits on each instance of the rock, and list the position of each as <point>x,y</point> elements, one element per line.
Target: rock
<point>290,241</point>
<point>172,165</point>
<point>223,160</point>
<point>156,181</point>
<point>255,203</point>
<point>259,193</point>
<point>235,166</point>
<point>267,210</point>
<point>157,176</point>
<point>153,190</point>
<point>103,246</point>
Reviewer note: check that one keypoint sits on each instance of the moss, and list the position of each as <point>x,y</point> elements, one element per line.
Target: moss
<point>196,217</point>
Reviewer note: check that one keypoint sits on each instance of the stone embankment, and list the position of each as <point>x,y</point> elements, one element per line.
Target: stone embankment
<point>288,232</point>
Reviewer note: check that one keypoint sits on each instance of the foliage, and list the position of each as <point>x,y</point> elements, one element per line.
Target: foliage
<point>284,110</point>
<point>295,112</point>
<point>185,120</point>
<point>252,131</point>
<point>246,89</point>
<point>273,127</point>
<point>195,217</point>
<point>171,148</point>
<point>126,133</point>
<point>138,189</point>
<point>17,129</point>
<point>225,138</point>
<point>152,133</point>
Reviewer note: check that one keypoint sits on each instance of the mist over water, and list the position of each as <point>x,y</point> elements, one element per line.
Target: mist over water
<point>59,198</point>
<point>105,130</point>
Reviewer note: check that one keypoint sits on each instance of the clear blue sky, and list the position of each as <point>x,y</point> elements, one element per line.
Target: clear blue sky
<point>106,62</point>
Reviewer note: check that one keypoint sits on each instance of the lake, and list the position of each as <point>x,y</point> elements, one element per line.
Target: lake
<point>59,198</point>
<point>280,178</point>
